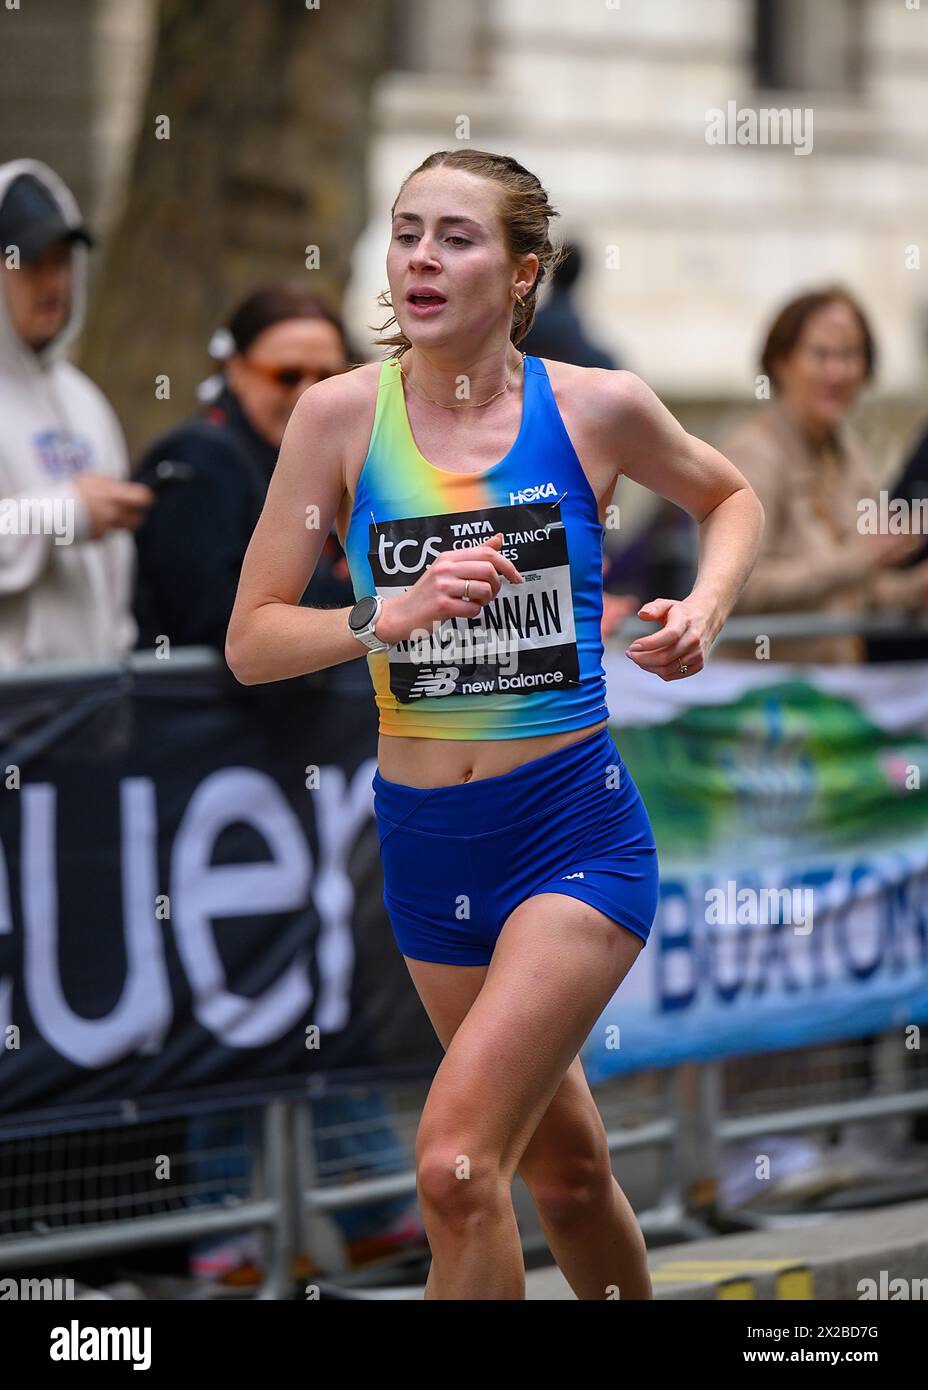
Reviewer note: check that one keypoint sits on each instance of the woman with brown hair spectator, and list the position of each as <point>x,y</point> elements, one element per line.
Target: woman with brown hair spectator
<point>811,471</point>
<point>212,471</point>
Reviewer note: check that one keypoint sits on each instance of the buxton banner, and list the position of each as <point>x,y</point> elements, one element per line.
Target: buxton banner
<point>790,810</point>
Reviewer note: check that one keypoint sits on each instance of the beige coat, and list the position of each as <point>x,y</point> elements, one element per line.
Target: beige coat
<point>808,560</point>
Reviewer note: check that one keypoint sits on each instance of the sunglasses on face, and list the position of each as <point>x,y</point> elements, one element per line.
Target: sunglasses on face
<point>288,376</point>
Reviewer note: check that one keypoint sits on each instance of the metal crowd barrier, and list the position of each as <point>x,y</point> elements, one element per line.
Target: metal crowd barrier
<point>73,1196</point>
<point>59,1205</point>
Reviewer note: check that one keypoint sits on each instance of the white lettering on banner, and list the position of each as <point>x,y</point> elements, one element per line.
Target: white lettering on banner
<point>200,892</point>
<point>144,1006</point>
<point>341,813</point>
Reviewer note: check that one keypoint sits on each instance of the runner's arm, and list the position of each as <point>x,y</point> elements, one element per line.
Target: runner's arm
<point>657,452</point>
<point>270,637</point>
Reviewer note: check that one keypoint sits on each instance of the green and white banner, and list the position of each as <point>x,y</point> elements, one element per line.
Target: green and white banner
<point>790,811</point>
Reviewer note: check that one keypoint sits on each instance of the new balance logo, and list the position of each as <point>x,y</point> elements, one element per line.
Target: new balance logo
<point>434,680</point>
<point>532,494</point>
<point>578,875</point>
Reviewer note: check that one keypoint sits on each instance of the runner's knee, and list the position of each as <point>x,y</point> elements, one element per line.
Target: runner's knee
<point>458,1184</point>
<point>566,1190</point>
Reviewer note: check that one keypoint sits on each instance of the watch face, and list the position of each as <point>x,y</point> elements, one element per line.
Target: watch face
<point>361,613</point>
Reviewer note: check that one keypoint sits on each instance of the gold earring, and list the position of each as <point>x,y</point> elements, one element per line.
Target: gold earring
<point>521,301</point>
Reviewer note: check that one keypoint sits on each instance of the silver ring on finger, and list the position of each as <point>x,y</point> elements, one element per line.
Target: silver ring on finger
<point>466,594</point>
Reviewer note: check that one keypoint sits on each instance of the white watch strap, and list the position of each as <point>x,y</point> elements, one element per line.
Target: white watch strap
<point>368,636</point>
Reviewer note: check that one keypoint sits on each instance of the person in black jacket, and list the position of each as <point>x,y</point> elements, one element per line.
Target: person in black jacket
<point>212,471</point>
<point>558,332</point>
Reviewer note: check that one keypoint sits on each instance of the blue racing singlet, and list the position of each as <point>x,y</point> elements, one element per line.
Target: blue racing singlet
<point>531,661</point>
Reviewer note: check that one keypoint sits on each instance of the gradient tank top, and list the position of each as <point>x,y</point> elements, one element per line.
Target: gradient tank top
<point>531,662</point>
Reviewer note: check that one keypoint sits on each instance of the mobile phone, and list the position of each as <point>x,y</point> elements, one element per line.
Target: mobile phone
<point>168,471</point>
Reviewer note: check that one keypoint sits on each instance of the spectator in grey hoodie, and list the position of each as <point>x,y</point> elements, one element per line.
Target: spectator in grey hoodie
<point>66,509</point>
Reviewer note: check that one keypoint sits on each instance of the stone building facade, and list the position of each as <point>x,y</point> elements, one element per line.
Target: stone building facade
<point>692,245</point>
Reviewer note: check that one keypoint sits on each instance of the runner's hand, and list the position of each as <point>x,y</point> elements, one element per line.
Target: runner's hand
<point>436,594</point>
<point>683,638</point>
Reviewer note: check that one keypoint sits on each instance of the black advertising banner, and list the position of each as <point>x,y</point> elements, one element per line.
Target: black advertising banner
<point>191,895</point>
<point>522,641</point>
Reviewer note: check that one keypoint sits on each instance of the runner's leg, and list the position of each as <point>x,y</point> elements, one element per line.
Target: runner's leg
<point>566,1166</point>
<point>588,1221</point>
<point>556,965</point>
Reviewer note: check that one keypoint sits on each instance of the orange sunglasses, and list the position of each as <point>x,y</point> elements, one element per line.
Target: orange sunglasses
<point>291,376</point>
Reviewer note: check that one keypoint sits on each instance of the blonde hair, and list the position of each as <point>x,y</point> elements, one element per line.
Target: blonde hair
<point>525,212</point>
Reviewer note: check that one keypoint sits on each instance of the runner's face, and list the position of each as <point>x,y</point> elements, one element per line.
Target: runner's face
<point>466,261</point>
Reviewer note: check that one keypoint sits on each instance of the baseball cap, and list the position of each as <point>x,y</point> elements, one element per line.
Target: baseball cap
<point>31,219</point>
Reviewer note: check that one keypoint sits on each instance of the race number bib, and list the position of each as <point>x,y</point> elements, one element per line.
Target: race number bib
<point>523,640</point>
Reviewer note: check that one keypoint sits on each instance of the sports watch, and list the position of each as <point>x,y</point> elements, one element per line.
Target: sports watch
<point>363,619</point>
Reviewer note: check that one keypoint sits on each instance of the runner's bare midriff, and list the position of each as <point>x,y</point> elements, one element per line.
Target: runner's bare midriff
<point>443,762</point>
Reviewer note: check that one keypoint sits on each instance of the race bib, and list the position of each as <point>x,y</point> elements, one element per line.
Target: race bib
<point>523,640</point>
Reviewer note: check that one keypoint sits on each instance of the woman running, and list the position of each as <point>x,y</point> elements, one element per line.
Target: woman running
<point>520,870</point>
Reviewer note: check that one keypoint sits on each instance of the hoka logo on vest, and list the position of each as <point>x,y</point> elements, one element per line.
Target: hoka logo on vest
<point>538,493</point>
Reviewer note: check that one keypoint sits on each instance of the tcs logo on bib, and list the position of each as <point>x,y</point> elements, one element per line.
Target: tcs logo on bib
<point>407,556</point>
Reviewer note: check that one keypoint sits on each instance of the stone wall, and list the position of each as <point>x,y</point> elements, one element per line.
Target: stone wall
<point>692,247</point>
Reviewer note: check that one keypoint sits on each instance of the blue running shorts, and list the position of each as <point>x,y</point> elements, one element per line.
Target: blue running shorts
<point>457,860</point>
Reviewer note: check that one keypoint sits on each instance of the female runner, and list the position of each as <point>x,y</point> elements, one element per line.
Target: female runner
<point>519,864</point>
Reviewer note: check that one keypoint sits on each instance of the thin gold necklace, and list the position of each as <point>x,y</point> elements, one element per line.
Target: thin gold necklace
<point>463,405</point>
